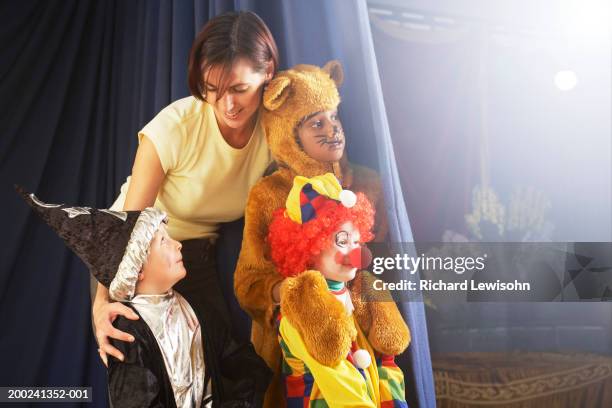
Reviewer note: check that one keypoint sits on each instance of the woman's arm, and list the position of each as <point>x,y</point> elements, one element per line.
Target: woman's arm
<point>147,177</point>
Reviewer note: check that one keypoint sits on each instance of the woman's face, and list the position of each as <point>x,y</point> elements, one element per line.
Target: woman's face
<point>343,241</point>
<point>241,100</point>
<point>321,136</point>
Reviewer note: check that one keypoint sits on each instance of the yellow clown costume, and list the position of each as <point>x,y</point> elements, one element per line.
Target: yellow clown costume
<point>327,361</point>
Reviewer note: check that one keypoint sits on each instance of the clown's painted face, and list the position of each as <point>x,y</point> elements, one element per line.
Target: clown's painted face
<point>334,262</point>
<point>321,136</point>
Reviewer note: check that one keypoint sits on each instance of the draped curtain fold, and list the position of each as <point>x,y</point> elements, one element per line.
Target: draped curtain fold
<point>78,79</point>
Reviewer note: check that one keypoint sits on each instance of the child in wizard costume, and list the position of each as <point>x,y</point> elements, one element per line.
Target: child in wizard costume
<point>179,357</point>
<point>328,359</point>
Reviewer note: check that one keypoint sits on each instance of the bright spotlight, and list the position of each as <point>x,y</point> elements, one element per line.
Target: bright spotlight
<point>566,80</point>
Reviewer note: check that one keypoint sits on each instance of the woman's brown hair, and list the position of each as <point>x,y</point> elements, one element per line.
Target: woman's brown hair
<point>223,39</point>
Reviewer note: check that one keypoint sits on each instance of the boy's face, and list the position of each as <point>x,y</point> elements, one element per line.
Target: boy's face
<point>164,265</point>
<point>321,136</point>
<point>329,262</point>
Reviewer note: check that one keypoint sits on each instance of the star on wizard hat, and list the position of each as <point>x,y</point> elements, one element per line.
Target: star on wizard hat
<point>113,244</point>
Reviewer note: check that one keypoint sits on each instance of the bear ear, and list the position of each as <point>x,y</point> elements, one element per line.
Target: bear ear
<point>276,93</point>
<point>334,69</point>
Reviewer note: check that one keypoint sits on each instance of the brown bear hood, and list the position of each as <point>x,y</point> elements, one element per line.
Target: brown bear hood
<point>318,91</point>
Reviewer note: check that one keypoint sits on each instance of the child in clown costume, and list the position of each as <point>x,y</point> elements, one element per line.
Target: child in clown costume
<point>328,361</point>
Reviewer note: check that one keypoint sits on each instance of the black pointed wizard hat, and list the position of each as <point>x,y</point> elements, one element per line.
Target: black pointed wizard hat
<point>112,244</point>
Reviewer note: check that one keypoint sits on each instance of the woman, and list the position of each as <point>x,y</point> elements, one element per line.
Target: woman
<point>198,158</point>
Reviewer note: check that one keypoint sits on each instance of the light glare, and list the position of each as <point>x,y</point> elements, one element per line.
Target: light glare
<point>566,80</point>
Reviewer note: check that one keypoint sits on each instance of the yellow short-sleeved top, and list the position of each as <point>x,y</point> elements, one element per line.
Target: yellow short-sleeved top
<point>207,181</point>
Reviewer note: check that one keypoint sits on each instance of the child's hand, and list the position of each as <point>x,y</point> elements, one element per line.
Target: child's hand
<point>276,292</point>
<point>104,316</point>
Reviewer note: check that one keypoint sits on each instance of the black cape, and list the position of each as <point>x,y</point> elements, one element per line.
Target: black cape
<point>238,375</point>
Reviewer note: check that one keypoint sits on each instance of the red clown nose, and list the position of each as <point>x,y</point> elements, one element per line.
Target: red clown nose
<point>357,258</point>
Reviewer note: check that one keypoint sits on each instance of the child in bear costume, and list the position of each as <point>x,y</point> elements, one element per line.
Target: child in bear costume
<point>290,101</point>
<point>316,242</point>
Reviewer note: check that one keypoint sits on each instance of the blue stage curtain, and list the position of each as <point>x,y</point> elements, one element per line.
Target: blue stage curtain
<point>79,78</point>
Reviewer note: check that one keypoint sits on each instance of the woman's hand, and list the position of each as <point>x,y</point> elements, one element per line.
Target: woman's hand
<point>104,315</point>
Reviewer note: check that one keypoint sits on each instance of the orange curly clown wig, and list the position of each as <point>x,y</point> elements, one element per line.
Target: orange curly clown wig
<point>294,246</point>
